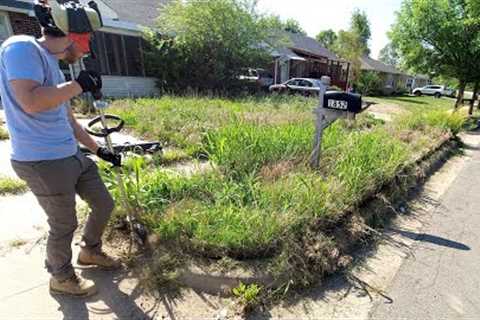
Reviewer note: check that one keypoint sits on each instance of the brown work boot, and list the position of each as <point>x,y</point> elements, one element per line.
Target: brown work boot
<point>99,259</point>
<point>75,286</point>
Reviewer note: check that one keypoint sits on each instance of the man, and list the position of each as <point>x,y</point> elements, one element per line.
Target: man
<point>45,134</point>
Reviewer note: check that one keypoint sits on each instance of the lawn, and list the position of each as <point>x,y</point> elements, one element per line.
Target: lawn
<point>260,192</point>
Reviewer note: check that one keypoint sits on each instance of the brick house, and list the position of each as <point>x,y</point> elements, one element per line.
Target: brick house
<point>118,45</point>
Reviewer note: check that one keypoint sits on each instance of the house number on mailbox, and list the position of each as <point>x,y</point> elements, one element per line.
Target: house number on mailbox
<point>338,104</point>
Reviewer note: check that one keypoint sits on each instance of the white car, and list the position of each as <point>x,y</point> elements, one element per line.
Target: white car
<point>260,77</point>
<point>434,90</point>
<point>303,86</point>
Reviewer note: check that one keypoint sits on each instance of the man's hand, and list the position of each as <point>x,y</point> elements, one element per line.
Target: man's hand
<point>90,81</point>
<point>104,154</point>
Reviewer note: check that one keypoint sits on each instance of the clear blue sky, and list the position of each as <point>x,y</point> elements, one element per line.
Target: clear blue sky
<point>317,15</point>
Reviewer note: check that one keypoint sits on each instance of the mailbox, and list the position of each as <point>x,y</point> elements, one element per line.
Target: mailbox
<point>342,101</point>
<point>333,105</point>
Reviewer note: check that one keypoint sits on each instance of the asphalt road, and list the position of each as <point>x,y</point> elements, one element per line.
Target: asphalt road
<point>442,278</point>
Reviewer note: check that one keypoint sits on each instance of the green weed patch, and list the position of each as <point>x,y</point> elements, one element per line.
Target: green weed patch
<point>261,199</point>
<point>11,186</point>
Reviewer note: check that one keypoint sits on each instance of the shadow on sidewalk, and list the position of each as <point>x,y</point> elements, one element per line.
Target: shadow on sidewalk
<point>119,305</point>
<point>439,241</point>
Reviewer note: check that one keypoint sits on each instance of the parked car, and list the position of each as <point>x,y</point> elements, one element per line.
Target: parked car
<point>258,77</point>
<point>303,86</point>
<point>434,90</point>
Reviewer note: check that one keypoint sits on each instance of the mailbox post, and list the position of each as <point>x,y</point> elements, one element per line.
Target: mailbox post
<point>332,106</point>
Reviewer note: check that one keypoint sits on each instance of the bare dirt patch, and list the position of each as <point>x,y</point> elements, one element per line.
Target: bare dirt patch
<point>385,112</point>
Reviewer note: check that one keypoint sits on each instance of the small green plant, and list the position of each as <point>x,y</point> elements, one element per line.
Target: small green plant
<point>132,173</point>
<point>12,186</point>
<point>17,243</point>
<point>248,295</point>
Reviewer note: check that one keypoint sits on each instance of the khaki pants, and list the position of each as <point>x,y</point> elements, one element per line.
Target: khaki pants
<point>55,184</point>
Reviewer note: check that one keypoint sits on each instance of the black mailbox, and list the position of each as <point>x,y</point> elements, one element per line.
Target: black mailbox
<point>342,101</point>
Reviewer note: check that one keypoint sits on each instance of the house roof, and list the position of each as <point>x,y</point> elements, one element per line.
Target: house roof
<point>375,65</point>
<point>422,77</point>
<point>287,54</point>
<point>141,12</point>
<point>310,45</point>
<point>21,5</point>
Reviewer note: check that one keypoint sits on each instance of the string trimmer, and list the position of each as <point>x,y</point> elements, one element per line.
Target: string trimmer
<point>137,230</point>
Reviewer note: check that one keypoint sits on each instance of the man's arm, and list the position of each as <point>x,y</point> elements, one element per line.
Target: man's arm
<point>34,98</point>
<point>82,136</point>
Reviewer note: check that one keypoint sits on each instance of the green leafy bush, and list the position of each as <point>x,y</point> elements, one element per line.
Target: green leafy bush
<point>369,83</point>
<point>209,48</point>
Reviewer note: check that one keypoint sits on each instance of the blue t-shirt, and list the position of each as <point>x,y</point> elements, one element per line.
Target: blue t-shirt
<point>40,136</point>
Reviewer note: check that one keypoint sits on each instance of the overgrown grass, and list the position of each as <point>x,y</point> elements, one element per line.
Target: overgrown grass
<point>11,186</point>
<point>261,188</point>
<point>183,122</point>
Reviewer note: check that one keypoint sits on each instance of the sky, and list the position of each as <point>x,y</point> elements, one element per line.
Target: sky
<point>317,15</point>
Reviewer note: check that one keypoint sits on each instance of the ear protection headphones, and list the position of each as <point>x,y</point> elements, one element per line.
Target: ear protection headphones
<point>60,18</point>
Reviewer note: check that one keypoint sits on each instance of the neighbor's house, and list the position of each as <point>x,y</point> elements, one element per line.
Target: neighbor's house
<point>393,80</point>
<point>119,44</point>
<point>304,57</point>
<point>419,81</point>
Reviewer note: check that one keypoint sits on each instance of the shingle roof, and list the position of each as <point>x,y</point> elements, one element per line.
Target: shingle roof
<point>142,12</point>
<point>310,45</point>
<point>16,4</point>
<point>375,65</point>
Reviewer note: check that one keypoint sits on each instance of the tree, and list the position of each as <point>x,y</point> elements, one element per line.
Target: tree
<point>350,47</point>
<point>389,55</point>
<point>327,38</point>
<point>360,25</point>
<point>293,26</point>
<point>213,41</point>
<point>440,37</point>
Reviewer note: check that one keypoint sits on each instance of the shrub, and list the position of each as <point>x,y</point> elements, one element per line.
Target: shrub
<point>210,48</point>
<point>369,83</point>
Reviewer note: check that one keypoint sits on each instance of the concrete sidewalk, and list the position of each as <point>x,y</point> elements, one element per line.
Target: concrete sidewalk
<point>24,291</point>
<point>442,278</point>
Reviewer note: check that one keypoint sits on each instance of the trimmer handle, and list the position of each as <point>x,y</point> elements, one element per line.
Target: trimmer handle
<point>97,95</point>
<point>105,132</point>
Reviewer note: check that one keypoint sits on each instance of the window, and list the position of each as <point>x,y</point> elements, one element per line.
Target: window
<point>5,28</point>
<point>306,83</point>
<point>294,82</point>
<point>117,55</point>
<point>134,57</point>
